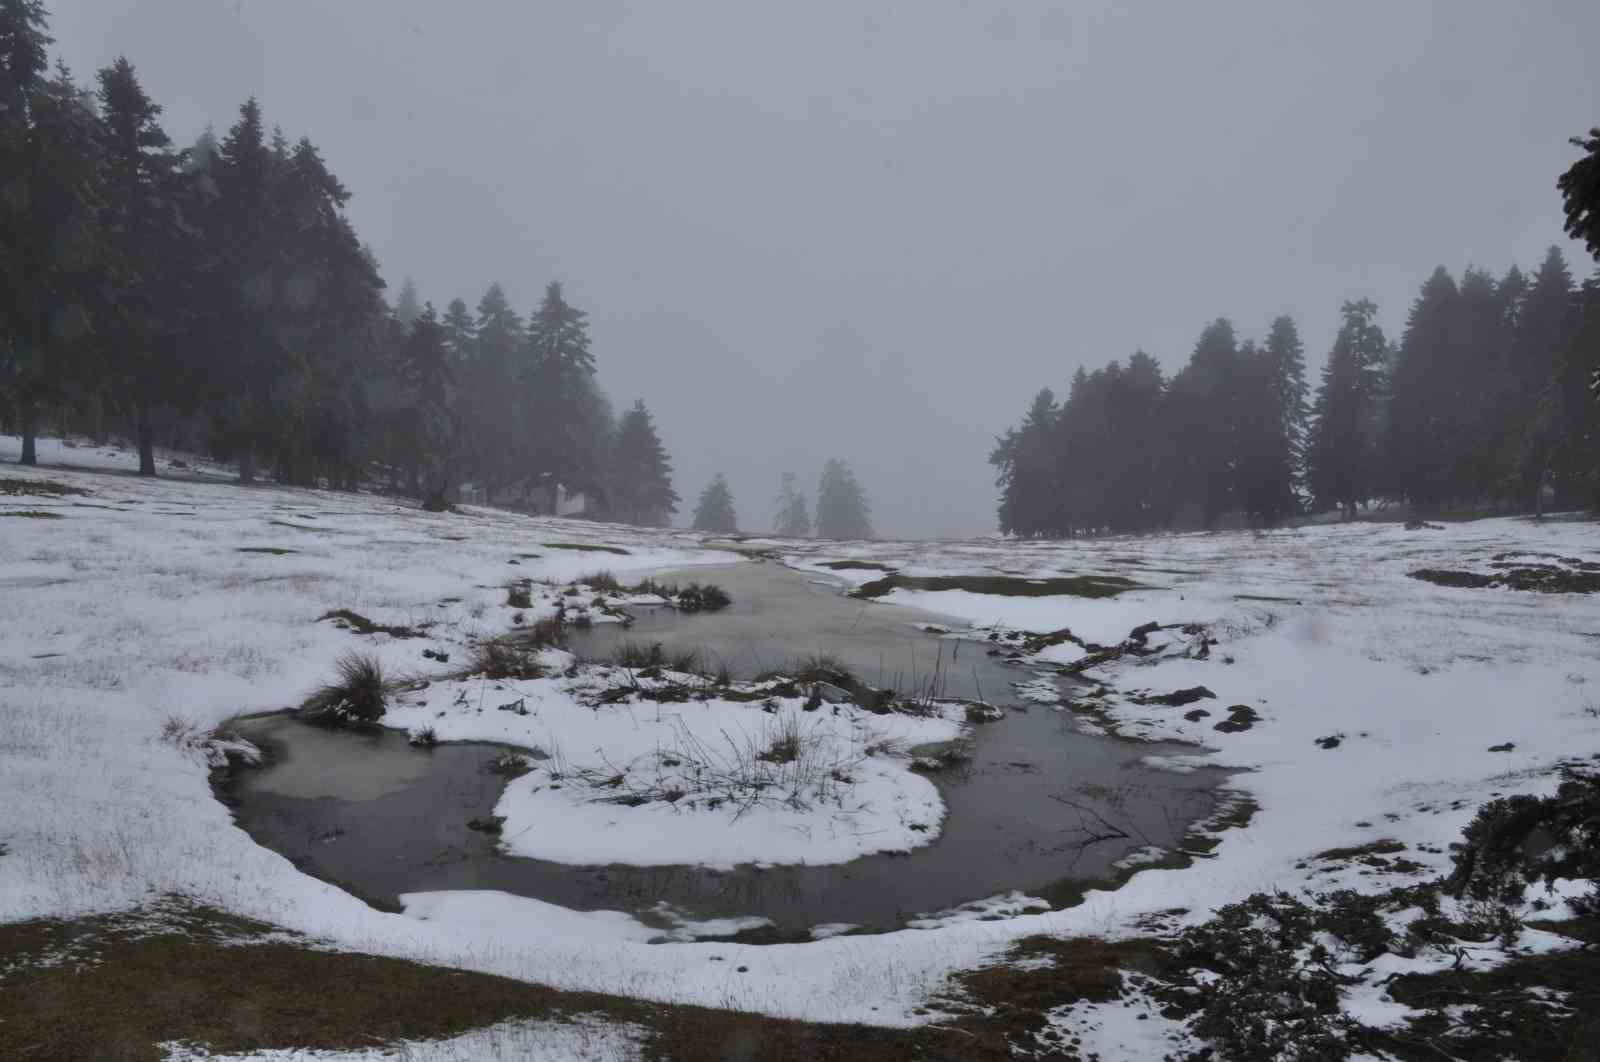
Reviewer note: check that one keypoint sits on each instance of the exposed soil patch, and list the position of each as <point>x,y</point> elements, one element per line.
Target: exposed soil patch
<point>296,527</point>
<point>44,488</point>
<point>276,551</point>
<point>1387,846</point>
<point>581,547</point>
<point>1003,585</point>
<point>33,514</point>
<point>1041,973</point>
<point>1506,1012</point>
<point>113,988</point>
<point>856,566</point>
<point>1241,717</point>
<point>1538,578</point>
<point>354,621</point>
<point>1178,698</point>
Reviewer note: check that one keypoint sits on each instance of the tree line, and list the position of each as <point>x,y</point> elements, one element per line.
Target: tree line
<point>1486,402</point>
<point>217,298</point>
<point>843,511</point>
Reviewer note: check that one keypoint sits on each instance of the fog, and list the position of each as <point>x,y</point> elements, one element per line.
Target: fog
<point>835,229</point>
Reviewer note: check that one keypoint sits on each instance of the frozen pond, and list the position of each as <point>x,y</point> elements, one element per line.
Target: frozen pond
<point>381,818</point>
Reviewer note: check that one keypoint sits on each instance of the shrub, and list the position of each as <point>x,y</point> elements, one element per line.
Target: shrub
<point>601,580</point>
<point>550,631</point>
<point>783,744</point>
<point>1277,995</point>
<point>702,598</point>
<point>519,595</point>
<point>424,737</point>
<point>511,764</point>
<point>1514,841</point>
<point>638,655</point>
<point>359,695</point>
<point>503,660</point>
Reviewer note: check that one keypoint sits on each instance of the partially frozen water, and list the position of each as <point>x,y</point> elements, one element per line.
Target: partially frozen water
<point>382,818</point>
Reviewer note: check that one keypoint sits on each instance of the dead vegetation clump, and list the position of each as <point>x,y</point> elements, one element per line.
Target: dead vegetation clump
<point>786,763</point>
<point>519,594</point>
<point>702,597</point>
<point>359,696</point>
<point>346,619</point>
<point>1091,586</point>
<point>1536,578</point>
<point>506,660</point>
<point>43,488</point>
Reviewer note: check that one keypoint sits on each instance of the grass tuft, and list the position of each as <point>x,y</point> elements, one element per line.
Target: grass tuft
<point>358,696</point>
<point>519,594</point>
<point>505,660</point>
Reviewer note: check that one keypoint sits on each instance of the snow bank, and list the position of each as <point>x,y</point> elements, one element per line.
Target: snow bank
<point>137,606</point>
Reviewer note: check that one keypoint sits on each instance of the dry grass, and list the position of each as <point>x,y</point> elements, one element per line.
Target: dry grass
<point>505,660</point>
<point>519,594</point>
<point>359,696</point>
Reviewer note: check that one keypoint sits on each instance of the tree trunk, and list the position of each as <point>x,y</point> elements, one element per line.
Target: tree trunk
<point>1538,496</point>
<point>555,498</point>
<point>97,419</point>
<point>147,439</point>
<point>247,466</point>
<point>29,417</point>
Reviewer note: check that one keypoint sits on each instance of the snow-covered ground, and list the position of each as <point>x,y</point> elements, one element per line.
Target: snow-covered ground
<point>136,606</point>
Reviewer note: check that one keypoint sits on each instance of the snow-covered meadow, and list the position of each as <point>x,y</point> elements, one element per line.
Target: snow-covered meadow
<point>140,610</point>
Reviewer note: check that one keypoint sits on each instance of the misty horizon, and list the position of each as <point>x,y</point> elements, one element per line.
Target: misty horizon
<point>829,233</point>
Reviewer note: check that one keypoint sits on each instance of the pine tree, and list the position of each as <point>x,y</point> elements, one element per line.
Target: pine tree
<point>793,519</point>
<point>1264,473</point>
<point>842,509</point>
<point>491,406</point>
<point>1204,405</point>
<point>1580,193</point>
<point>714,512</point>
<point>242,232</point>
<point>1422,425</point>
<point>150,252</point>
<point>597,424</point>
<point>1485,388</point>
<point>1025,464</point>
<point>1142,454</point>
<point>1287,355</point>
<point>432,424</point>
<point>641,480</point>
<point>1546,327</point>
<point>23,65</point>
<point>407,305</point>
<point>1341,460</point>
<point>460,333</point>
<point>1575,404</point>
<point>325,297</point>
<point>560,364</point>
<point>55,252</point>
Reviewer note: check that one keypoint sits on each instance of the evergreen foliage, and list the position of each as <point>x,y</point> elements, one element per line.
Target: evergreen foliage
<point>714,512</point>
<point>793,519</point>
<point>147,271</point>
<point>1342,459</point>
<point>220,298</point>
<point>641,485</point>
<point>1484,406</point>
<point>842,509</point>
<point>1580,193</point>
<point>555,382</point>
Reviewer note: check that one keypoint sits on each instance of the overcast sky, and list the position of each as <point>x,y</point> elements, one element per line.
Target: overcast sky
<point>874,230</point>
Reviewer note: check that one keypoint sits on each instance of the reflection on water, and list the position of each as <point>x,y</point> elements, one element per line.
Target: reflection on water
<point>382,818</point>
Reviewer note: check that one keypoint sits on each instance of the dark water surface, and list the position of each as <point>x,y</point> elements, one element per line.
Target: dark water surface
<point>381,818</point>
